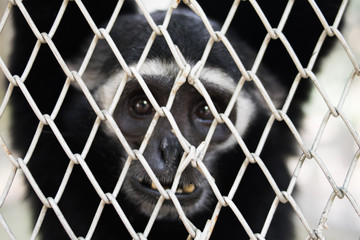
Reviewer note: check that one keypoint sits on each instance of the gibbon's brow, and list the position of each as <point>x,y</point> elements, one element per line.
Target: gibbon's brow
<point>164,85</point>
<point>158,82</point>
<point>217,90</point>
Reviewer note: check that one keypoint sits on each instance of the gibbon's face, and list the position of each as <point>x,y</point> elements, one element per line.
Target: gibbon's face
<point>134,114</point>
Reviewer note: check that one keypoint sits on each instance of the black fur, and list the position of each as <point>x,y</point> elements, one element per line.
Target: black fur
<point>75,119</point>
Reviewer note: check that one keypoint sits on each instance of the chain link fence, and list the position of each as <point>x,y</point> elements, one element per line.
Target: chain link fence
<point>341,187</point>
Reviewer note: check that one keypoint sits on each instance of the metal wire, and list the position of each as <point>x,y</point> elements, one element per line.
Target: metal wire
<point>193,154</point>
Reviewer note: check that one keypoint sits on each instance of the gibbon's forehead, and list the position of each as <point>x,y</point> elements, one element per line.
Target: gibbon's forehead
<point>209,76</point>
<point>161,72</point>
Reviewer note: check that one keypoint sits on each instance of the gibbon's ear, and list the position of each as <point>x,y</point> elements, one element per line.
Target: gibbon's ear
<point>302,29</point>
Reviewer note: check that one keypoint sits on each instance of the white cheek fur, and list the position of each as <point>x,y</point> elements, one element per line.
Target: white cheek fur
<point>244,105</point>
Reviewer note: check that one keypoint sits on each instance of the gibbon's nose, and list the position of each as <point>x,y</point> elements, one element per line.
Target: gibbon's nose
<point>170,151</point>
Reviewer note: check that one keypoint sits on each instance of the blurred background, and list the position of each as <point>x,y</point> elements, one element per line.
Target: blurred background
<point>336,148</point>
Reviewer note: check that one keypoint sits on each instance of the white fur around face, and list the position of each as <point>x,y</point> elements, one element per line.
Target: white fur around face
<point>244,105</point>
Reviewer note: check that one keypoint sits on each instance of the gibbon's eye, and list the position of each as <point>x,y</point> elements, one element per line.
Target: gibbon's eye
<point>203,112</point>
<point>141,107</point>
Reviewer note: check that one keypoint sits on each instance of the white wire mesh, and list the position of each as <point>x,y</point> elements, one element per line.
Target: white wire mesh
<point>193,154</point>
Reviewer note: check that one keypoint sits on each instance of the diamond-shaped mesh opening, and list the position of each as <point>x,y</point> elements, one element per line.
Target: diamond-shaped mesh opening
<point>94,165</point>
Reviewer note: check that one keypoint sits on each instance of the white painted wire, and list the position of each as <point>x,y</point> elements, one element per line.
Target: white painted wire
<point>193,154</point>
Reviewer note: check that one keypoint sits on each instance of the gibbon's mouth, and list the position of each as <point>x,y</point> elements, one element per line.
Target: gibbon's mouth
<point>183,191</point>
